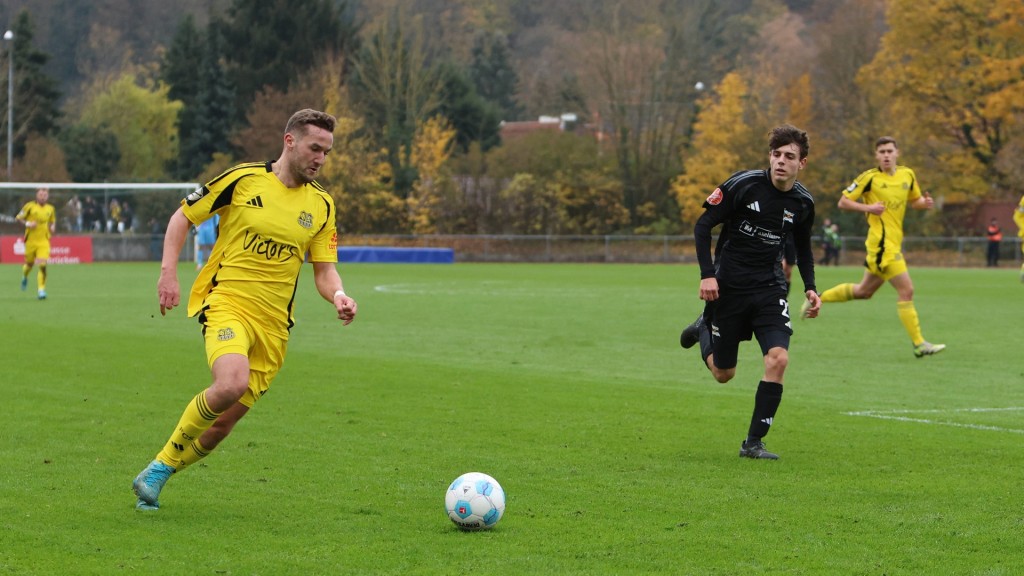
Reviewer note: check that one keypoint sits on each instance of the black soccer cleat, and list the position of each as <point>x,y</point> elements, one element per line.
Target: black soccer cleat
<point>756,450</point>
<point>691,334</point>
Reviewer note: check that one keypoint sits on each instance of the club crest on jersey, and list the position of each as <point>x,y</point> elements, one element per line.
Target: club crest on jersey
<point>716,197</point>
<point>787,216</point>
<point>306,220</point>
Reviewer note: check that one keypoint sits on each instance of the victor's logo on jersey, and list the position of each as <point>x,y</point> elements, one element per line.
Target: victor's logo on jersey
<point>257,202</point>
<point>756,207</point>
<point>267,247</point>
<point>716,197</point>
<point>306,220</point>
<point>787,216</point>
<point>225,334</point>
<point>196,196</point>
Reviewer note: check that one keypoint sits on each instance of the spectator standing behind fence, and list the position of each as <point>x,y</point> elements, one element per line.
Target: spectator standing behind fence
<point>832,243</point>
<point>113,215</point>
<point>91,215</point>
<point>995,236</point>
<point>886,190</point>
<point>73,211</point>
<point>1018,219</point>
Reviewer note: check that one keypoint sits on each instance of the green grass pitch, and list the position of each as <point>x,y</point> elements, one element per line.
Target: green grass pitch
<point>617,450</point>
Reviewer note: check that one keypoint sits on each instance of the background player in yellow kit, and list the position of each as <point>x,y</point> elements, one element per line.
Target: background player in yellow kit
<point>40,221</point>
<point>883,194</point>
<point>271,215</point>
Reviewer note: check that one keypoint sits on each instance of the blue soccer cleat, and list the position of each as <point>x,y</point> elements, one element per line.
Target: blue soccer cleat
<point>149,482</point>
<point>24,284</point>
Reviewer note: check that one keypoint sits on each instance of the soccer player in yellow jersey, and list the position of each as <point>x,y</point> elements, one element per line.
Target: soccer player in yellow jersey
<point>40,220</point>
<point>272,214</point>
<point>883,194</point>
<point>1018,218</point>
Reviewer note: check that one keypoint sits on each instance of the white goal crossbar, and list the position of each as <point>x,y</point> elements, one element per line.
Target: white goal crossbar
<point>99,185</point>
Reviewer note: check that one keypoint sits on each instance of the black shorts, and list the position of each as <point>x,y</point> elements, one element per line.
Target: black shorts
<point>734,318</point>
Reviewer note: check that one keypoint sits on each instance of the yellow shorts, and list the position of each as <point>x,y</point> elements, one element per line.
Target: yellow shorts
<point>886,267</point>
<point>38,250</point>
<point>230,330</point>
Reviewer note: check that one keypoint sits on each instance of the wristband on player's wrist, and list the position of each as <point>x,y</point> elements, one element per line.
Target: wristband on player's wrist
<point>339,293</point>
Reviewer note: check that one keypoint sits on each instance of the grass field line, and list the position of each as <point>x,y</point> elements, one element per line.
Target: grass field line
<point>899,415</point>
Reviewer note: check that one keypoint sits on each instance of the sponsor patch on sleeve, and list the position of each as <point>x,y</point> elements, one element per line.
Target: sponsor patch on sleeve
<point>334,242</point>
<point>715,198</point>
<point>196,195</point>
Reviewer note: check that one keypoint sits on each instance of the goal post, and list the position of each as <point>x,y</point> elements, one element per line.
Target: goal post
<point>106,210</point>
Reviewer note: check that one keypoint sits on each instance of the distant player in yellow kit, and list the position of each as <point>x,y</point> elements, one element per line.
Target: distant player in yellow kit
<point>886,192</point>
<point>1018,218</point>
<point>40,221</point>
<point>272,214</point>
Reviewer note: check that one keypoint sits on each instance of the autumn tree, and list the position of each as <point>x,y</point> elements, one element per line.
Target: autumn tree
<point>143,120</point>
<point>395,90</point>
<point>431,201</point>
<point>647,62</point>
<point>950,74</point>
<point>721,146</point>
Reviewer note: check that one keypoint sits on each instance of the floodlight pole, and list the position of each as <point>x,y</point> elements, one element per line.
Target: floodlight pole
<point>9,36</point>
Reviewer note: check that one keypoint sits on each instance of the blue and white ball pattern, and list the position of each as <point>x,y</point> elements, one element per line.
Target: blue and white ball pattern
<point>475,501</point>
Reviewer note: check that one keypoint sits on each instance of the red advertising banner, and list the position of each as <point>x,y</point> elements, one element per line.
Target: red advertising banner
<point>63,250</point>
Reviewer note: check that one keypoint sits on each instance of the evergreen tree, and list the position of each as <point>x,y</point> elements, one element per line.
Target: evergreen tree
<point>35,93</point>
<point>474,119</point>
<point>272,42</point>
<point>205,123</point>
<point>493,75</point>
<point>91,154</point>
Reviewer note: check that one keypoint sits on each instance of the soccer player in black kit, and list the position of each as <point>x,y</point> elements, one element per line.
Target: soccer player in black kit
<point>743,287</point>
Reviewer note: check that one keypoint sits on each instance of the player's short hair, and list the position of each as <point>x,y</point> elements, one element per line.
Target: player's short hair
<point>789,134</point>
<point>309,117</point>
<point>886,140</point>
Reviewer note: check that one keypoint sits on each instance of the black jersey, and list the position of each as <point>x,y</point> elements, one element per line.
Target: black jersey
<point>756,218</point>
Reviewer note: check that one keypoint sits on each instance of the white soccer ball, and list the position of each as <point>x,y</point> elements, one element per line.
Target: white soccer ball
<point>475,501</point>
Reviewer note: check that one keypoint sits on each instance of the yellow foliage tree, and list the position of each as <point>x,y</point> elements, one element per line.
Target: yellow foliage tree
<point>143,119</point>
<point>950,74</point>
<point>720,144</point>
<point>431,147</point>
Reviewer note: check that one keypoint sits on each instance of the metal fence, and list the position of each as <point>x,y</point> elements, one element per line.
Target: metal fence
<point>920,251</point>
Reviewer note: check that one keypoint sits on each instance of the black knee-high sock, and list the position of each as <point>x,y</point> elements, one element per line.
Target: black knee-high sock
<point>766,402</point>
<point>705,340</point>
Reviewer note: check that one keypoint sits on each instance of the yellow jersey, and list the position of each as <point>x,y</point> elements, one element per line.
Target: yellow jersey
<point>885,232</point>
<point>266,231</point>
<point>43,215</point>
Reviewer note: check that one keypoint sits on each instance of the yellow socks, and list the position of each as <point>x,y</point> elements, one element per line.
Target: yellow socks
<point>840,293</point>
<point>41,278</point>
<point>197,418</point>
<point>193,453</point>
<point>25,269</point>
<point>908,316</point>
